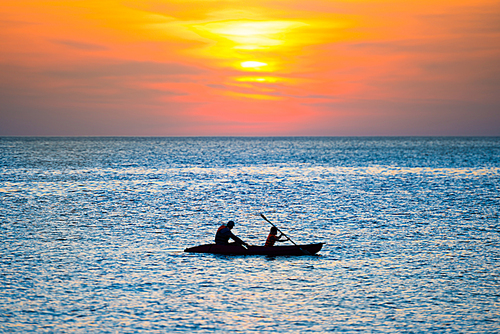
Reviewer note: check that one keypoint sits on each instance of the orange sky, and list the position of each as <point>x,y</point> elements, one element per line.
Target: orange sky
<point>282,67</point>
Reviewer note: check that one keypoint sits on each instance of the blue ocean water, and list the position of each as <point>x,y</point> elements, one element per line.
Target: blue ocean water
<point>92,233</point>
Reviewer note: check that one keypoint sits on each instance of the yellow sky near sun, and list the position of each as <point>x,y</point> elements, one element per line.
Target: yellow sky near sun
<point>220,52</point>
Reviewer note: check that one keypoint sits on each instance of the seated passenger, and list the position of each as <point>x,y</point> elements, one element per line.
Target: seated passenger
<point>224,234</point>
<point>272,238</point>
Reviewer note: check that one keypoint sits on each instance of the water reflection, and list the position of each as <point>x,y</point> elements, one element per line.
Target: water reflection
<point>93,240</point>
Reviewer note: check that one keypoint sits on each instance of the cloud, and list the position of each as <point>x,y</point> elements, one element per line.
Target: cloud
<point>7,24</point>
<point>94,99</point>
<point>406,118</point>
<point>471,20</point>
<point>80,45</point>
<point>106,119</point>
<point>138,69</point>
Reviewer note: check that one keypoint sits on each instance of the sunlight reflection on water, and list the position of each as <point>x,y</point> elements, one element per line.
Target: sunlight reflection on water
<point>93,232</point>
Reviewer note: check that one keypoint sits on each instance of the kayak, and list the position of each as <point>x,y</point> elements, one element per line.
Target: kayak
<point>309,249</point>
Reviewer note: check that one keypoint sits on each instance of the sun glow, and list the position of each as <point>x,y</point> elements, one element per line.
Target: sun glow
<point>252,64</point>
<point>184,67</point>
<point>232,42</point>
<point>258,79</point>
<point>250,35</point>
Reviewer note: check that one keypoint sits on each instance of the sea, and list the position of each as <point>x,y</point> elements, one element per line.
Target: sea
<point>93,232</point>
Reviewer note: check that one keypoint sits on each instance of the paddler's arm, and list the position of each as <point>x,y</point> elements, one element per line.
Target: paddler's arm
<point>279,238</point>
<point>237,240</point>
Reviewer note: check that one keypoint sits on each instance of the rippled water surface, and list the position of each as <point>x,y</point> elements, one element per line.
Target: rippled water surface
<point>92,233</point>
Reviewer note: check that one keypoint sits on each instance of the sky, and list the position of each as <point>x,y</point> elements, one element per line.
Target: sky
<point>249,68</point>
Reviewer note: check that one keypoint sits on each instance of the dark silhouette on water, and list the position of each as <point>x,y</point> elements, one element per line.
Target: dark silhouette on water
<point>233,249</point>
<point>272,238</point>
<point>224,234</point>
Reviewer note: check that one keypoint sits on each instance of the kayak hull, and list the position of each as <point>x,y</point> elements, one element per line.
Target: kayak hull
<point>309,249</point>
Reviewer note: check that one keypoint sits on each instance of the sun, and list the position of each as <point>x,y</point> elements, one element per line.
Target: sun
<point>235,42</point>
<point>253,64</point>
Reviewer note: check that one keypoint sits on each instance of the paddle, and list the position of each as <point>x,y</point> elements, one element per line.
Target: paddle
<point>302,250</point>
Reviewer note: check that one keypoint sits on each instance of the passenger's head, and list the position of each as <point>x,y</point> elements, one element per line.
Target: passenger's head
<point>274,230</point>
<point>230,224</point>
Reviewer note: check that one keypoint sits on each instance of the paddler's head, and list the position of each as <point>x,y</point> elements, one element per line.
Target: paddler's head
<point>230,224</point>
